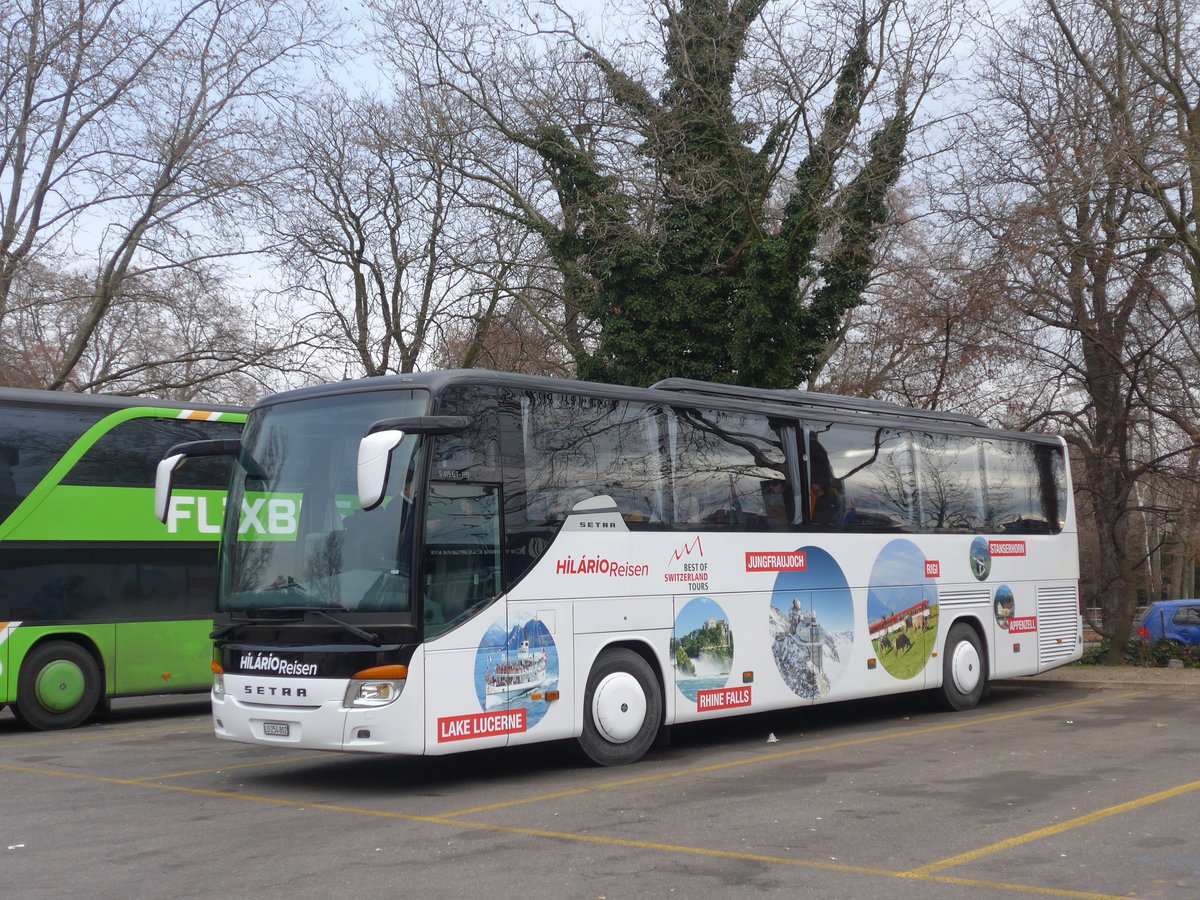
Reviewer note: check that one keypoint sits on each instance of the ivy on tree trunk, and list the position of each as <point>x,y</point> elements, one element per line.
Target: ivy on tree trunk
<point>712,288</point>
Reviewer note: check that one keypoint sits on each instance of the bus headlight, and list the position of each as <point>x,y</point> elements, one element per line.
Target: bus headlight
<point>218,685</point>
<point>376,686</point>
<point>373,693</point>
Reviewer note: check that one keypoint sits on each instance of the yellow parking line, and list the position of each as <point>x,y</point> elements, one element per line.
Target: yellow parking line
<point>228,795</point>
<point>917,875</point>
<point>234,768</point>
<point>451,819</point>
<point>84,738</point>
<point>786,754</point>
<point>784,861</point>
<point>1051,830</point>
<point>1020,888</point>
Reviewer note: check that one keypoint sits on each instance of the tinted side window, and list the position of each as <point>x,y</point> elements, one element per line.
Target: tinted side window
<point>951,482</point>
<point>31,442</point>
<point>560,449</point>
<point>861,477</point>
<point>1187,615</point>
<point>729,471</point>
<point>115,583</point>
<point>473,454</point>
<point>461,565</point>
<point>1026,490</point>
<point>578,447</point>
<point>127,455</point>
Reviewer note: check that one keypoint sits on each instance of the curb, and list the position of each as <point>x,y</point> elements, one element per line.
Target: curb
<point>1170,681</point>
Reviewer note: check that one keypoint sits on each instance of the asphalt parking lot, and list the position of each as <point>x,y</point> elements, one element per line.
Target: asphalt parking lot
<point>1044,790</point>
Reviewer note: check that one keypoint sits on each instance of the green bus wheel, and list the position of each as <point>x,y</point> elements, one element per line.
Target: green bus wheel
<point>59,686</point>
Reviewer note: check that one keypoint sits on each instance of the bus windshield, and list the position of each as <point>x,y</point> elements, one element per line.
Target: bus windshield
<point>301,539</point>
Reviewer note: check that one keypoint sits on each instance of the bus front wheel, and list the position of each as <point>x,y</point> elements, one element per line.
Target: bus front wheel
<point>59,686</point>
<point>964,671</point>
<point>622,709</point>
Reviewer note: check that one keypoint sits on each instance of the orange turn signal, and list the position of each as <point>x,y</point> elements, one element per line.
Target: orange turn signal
<point>391,673</point>
<point>216,667</point>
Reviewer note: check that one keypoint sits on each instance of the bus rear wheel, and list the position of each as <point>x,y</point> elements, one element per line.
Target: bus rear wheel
<point>622,709</point>
<point>964,671</point>
<point>59,686</point>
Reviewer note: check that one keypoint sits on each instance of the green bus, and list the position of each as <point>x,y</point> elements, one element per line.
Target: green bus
<point>98,598</point>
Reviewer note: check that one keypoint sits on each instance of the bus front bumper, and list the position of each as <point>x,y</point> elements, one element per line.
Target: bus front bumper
<point>310,714</point>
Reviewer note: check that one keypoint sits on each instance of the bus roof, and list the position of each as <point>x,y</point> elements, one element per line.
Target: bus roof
<point>814,400</point>
<point>669,391</point>
<point>28,397</point>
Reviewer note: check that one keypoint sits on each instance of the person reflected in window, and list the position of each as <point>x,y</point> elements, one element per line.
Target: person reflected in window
<point>775,502</point>
<point>822,503</point>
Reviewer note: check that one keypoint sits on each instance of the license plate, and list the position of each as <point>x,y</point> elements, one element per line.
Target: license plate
<point>276,729</point>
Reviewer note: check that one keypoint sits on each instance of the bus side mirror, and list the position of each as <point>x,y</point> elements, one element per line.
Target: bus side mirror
<point>164,482</point>
<point>374,461</point>
<point>164,475</point>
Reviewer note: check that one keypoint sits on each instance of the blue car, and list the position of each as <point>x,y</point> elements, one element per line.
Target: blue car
<point>1174,620</point>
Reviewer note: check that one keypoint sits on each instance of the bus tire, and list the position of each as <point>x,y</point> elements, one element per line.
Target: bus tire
<point>59,686</point>
<point>622,709</point>
<point>964,669</point>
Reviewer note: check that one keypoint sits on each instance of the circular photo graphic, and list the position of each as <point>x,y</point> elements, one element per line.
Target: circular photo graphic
<point>515,666</point>
<point>981,559</point>
<point>701,647</point>
<point>902,610</point>
<point>812,624</point>
<point>1006,605</point>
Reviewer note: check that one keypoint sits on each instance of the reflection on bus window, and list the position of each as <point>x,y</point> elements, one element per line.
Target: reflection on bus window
<point>580,447</point>
<point>861,478</point>
<point>1024,482</point>
<point>461,571</point>
<point>951,483</point>
<point>728,471</point>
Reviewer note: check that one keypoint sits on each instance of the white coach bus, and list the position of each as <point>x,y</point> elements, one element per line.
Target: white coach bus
<point>457,560</point>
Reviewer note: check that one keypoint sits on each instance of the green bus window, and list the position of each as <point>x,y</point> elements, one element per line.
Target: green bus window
<point>32,441</point>
<point>126,456</point>
<point>109,583</point>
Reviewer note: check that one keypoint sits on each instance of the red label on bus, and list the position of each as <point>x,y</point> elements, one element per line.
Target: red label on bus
<point>1027,623</point>
<point>1006,548</point>
<point>777,562</point>
<point>933,568</point>
<point>480,725</point>
<point>725,698</point>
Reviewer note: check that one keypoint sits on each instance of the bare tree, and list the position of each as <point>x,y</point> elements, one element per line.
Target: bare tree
<point>1068,232</point>
<point>1154,43</point>
<point>130,135</point>
<point>371,227</point>
<point>176,335</point>
<point>658,167</point>
<point>932,333</point>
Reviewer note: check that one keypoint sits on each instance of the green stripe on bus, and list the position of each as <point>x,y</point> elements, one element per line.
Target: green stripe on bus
<point>82,513</point>
<point>12,527</point>
<point>140,657</point>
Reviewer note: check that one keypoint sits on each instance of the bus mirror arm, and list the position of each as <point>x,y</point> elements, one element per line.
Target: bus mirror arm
<point>422,425</point>
<point>164,476</point>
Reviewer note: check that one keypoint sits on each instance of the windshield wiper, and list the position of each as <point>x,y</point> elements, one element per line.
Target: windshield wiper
<point>225,629</point>
<point>373,639</point>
